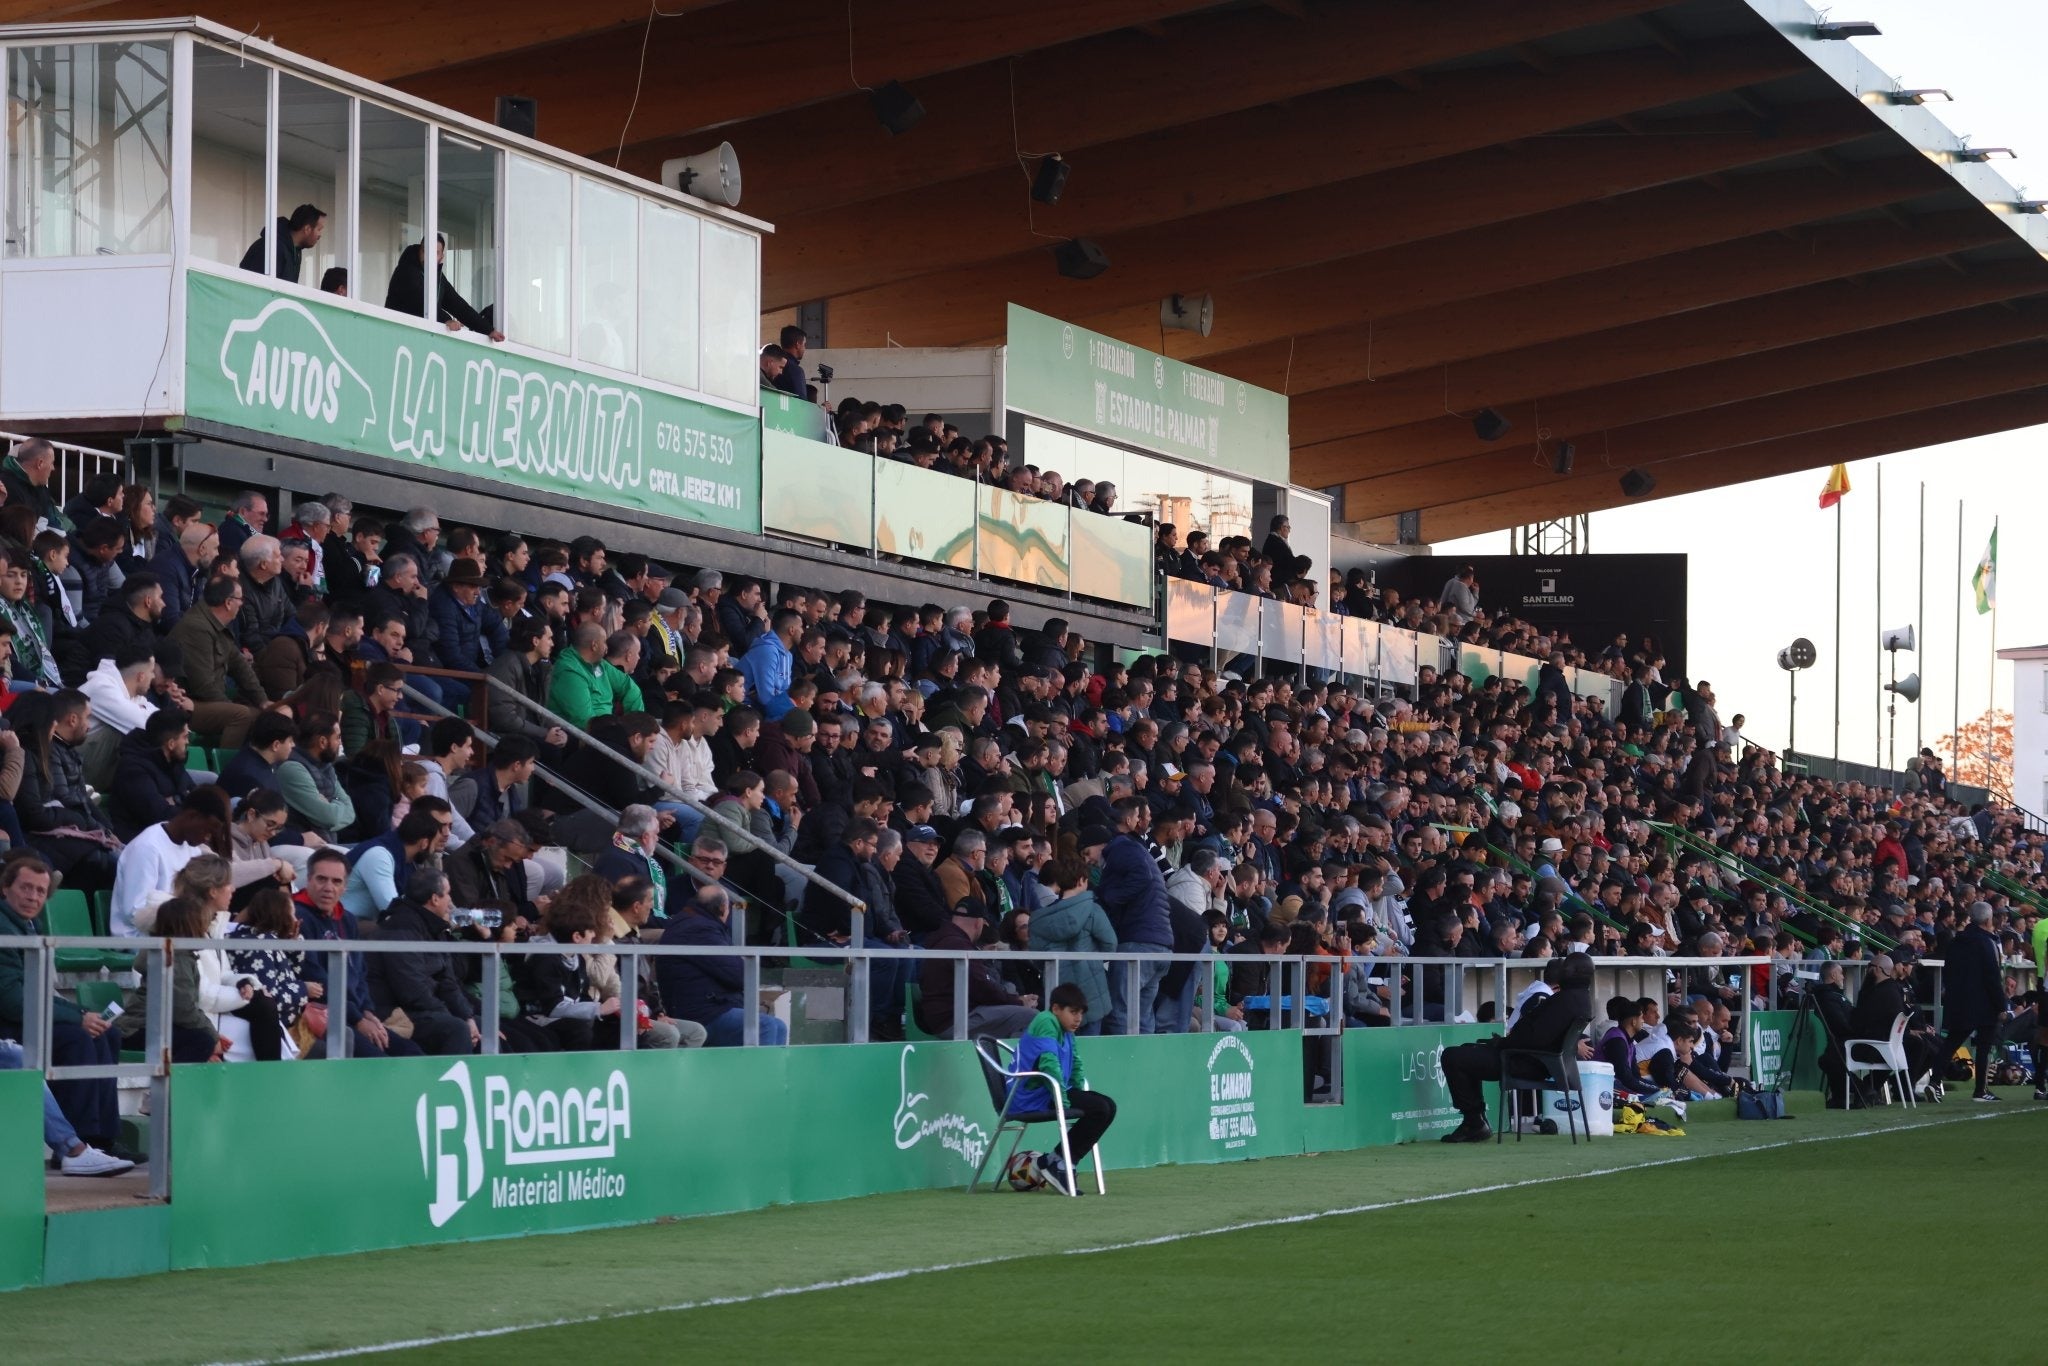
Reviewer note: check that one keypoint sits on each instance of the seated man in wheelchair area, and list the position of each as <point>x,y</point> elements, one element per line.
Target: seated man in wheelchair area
<point>1047,1048</point>
<point>1541,1028</point>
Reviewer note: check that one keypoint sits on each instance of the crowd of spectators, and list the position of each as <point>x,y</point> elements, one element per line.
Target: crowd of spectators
<point>975,784</point>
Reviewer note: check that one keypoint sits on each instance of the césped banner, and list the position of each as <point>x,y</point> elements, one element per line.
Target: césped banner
<point>456,404</point>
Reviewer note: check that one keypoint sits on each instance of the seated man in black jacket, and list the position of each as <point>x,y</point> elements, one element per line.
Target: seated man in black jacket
<point>1881,1001</point>
<point>1544,1027</point>
<point>427,986</point>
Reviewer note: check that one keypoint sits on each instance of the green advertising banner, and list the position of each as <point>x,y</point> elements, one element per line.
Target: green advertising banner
<point>1398,1076</point>
<point>1770,1044</point>
<point>1134,397</point>
<point>21,1179</point>
<point>782,412</point>
<point>336,376</point>
<point>437,1150</point>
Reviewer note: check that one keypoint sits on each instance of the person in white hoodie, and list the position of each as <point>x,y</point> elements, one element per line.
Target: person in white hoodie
<point>119,693</point>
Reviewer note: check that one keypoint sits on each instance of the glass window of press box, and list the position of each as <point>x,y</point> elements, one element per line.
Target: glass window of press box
<point>1192,499</point>
<point>565,263</point>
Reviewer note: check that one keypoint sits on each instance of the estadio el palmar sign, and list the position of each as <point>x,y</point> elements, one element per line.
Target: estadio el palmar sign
<point>336,376</point>
<point>1133,397</point>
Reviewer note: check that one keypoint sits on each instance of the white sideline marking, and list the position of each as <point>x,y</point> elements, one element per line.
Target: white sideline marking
<point>905,1273</point>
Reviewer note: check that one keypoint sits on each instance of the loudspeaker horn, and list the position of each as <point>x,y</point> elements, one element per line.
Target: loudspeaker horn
<point>1897,638</point>
<point>712,176</point>
<point>1907,687</point>
<point>1188,313</point>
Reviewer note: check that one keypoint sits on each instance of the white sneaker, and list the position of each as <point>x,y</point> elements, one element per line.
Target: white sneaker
<point>90,1161</point>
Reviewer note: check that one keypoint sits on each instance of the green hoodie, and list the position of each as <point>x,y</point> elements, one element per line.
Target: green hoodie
<point>14,973</point>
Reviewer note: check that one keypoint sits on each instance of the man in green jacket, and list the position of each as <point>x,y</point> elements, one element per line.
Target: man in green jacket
<point>78,1038</point>
<point>581,689</point>
<point>212,658</point>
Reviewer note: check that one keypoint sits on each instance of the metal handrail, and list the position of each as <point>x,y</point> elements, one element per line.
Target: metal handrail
<point>647,775</point>
<point>1685,839</point>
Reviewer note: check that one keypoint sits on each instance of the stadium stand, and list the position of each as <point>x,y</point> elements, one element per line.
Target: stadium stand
<point>925,758</point>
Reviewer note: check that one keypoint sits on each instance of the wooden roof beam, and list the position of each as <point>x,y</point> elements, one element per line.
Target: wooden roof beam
<point>1197,71</point>
<point>1860,441</point>
<point>1584,238</point>
<point>1888,393</point>
<point>1665,345</point>
<point>1242,158</point>
<point>1598,300</point>
<point>1372,213</point>
<point>741,61</point>
<point>1446,443</point>
<point>389,42</point>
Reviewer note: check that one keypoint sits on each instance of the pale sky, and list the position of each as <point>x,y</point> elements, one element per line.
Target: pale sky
<point>1763,554</point>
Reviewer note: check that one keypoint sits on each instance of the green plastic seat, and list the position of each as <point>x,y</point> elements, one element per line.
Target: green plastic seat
<point>96,996</point>
<point>69,913</point>
<point>912,1030</point>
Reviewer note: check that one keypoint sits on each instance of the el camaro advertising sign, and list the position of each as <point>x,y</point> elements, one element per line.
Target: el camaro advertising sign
<point>454,403</point>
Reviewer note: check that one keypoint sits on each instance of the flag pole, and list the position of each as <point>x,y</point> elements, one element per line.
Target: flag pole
<point>1838,631</point>
<point>1955,725</point>
<point>1877,716</point>
<point>1920,617</point>
<point>1991,684</point>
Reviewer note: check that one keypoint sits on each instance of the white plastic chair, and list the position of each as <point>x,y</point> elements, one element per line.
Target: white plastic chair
<point>1882,1055</point>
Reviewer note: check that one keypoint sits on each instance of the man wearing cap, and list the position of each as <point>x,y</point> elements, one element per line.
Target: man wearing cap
<point>920,898</point>
<point>665,641</point>
<point>992,1008</point>
<point>1549,852</point>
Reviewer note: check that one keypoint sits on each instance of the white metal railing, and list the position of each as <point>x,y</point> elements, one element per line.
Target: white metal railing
<point>75,463</point>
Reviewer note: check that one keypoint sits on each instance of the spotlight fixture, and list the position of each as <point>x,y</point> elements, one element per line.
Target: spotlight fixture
<point>1187,313</point>
<point>1800,654</point>
<point>1489,425</point>
<point>1561,463</point>
<point>1637,484</point>
<point>1911,96</point>
<point>896,107</point>
<point>1847,28</point>
<point>1051,181</point>
<point>1080,258</point>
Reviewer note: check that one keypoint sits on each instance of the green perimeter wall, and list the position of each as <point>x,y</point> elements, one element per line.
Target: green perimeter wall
<point>21,1179</point>
<point>364,1155</point>
<point>367,1155</point>
<point>375,1154</point>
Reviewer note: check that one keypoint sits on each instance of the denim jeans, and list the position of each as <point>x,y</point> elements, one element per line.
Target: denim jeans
<point>57,1131</point>
<point>729,1029</point>
<point>1149,974</point>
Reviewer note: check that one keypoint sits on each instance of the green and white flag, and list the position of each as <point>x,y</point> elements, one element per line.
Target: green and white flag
<point>1985,580</point>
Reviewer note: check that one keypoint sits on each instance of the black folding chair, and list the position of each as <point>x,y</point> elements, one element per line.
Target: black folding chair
<point>997,1069</point>
<point>1560,1072</point>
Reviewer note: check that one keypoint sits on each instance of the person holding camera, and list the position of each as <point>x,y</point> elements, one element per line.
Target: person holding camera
<point>427,986</point>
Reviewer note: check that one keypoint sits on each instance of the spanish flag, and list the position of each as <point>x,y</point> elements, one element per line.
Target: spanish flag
<point>1838,484</point>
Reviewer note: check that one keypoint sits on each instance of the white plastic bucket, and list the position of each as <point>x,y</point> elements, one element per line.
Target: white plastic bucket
<point>1595,1100</point>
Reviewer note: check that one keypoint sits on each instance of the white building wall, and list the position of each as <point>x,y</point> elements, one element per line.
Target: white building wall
<point>2030,733</point>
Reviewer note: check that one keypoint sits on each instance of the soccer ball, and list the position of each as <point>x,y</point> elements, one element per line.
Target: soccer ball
<point>1024,1174</point>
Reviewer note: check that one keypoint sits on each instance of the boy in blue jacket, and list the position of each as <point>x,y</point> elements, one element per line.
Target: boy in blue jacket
<point>1047,1048</point>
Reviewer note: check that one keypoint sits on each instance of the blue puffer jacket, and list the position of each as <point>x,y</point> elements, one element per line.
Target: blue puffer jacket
<point>461,645</point>
<point>1134,894</point>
